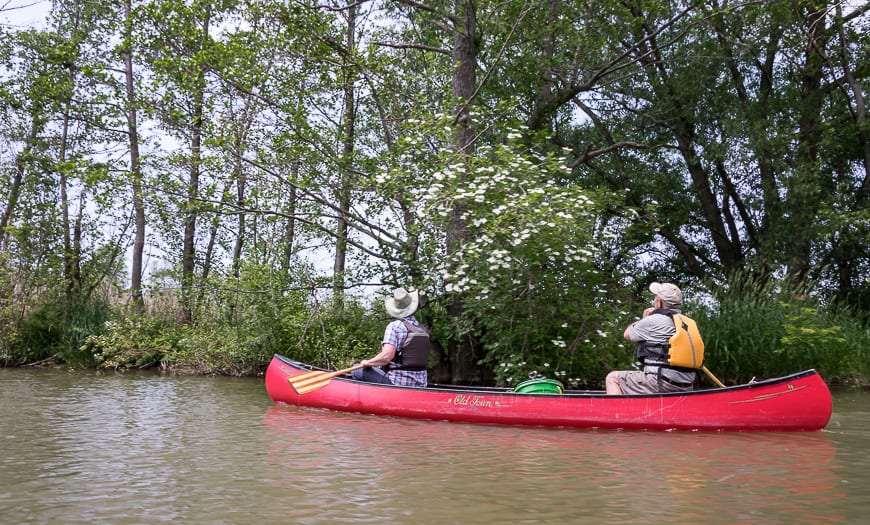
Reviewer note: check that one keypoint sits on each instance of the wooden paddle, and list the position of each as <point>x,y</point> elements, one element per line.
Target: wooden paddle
<point>315,380</point>
<point>712,377</point>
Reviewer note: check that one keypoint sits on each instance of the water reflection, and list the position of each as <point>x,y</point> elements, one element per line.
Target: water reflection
<point>483,474</point>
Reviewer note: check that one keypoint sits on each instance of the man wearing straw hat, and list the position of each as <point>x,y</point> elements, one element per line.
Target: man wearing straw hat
<point>404,352</point>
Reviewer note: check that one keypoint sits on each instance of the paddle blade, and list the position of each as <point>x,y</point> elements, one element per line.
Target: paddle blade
<point>305,375</point>
<point>302,382</point>
<point>311,386</point>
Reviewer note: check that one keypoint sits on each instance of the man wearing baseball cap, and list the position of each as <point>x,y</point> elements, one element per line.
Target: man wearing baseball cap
<point>653,331</point>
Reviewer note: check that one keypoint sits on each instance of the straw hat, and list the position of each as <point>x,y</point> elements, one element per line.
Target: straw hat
<point>402,303</point>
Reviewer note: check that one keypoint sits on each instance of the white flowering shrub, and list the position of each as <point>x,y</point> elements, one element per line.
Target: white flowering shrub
<point>526,260</point>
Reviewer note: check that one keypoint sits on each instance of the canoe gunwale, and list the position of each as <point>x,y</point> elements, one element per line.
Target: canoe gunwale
<point>566,393</point>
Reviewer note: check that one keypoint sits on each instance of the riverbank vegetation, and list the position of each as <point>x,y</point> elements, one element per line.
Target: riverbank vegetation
<point>195,186</point>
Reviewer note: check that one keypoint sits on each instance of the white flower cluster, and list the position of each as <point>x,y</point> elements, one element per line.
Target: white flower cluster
<point>526,224</point>
<point>519,220</point>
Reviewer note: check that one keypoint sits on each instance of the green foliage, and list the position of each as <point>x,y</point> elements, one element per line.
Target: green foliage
<point>217,350</point>
<point>136,342</point>
<point>811,340</point>
<point>133,342</point>
<point>257,319</point>
<point>336,338</point>
<point>266,311</point>
<point>57,328</point>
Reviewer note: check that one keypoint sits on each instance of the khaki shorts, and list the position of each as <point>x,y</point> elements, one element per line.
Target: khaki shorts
<point>638,382</point>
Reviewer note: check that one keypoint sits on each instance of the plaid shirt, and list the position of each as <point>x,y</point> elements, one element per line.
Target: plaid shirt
<point>396,334</point>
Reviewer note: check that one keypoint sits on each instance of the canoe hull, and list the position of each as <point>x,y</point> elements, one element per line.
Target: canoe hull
<point>800,401</point>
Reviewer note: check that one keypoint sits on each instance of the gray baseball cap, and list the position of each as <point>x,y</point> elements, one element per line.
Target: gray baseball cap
<point>669,293</point>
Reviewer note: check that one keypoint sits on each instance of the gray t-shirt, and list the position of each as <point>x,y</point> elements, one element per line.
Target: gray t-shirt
<point>658,328</point>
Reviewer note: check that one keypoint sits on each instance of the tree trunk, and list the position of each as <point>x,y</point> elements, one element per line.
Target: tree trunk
<point>289,213</point>
<point>464,354</point>
<point>802,201</point>
<point>71,265</point>
<point>349,121</point>
<point>17,180</point>
<point>848,254</point>
<point>188,254</point>
<point>135,169</point>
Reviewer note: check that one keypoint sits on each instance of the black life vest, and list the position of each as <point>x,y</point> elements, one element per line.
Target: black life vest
<point>414,354</point>
<point>684,349</point>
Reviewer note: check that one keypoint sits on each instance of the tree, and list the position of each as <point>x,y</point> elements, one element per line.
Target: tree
<point>693,114</point>
<point>178,55</point>
<point>132,102</point>
<point>461,247</point>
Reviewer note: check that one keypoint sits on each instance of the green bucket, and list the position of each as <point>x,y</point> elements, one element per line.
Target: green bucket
<point>539,386</point>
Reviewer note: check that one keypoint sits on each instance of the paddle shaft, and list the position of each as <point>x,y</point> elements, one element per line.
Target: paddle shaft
<point>712,377</point>
<point>311,381</point>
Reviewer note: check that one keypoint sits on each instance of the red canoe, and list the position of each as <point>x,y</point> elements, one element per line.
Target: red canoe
<point>799,401</point>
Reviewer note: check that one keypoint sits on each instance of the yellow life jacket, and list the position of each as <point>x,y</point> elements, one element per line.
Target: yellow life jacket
<point>686,346</point>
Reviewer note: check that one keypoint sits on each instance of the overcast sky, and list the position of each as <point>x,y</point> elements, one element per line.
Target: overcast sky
<point>23,13</point>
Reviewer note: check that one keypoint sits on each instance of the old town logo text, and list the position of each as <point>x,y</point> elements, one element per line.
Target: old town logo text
<point>465,400</point>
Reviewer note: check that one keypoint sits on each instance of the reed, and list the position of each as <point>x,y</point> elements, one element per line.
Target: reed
<point>768,329</point>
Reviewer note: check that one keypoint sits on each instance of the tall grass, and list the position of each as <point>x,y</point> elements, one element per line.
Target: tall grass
<point>768,329</point>
<point>241,344</point>
<point>55,327</point>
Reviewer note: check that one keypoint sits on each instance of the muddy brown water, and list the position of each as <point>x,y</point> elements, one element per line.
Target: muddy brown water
<point>81,447</point>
